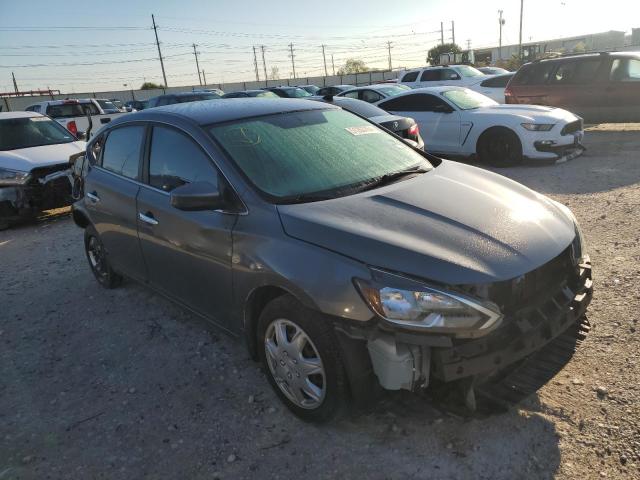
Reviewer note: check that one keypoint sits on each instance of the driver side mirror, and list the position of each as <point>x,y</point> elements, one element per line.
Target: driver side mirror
<point>196,196</point>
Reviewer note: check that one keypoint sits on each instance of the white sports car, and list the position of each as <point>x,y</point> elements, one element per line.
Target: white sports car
<point>34,165</point>
<point>456,121</point>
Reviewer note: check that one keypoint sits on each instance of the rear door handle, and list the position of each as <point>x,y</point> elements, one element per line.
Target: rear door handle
<point>93,196</point>
<point>147,218</point>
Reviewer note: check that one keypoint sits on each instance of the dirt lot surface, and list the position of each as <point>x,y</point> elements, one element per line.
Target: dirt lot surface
<point>122,384</point>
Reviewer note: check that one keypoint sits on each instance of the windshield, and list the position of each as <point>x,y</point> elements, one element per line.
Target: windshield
<point>466,99</point>
<point>107,105</point>
<point>358,106</point>
<point>16,133</point>
<point>394,90</point>
<point>467,71</point>
<point>263,94</point>
<point>297,154</point>
<point>296,92</point>
<point>312,89</point>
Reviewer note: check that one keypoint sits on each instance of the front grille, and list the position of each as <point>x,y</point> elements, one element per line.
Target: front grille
<point>572,127</point>
<point>55,193</point>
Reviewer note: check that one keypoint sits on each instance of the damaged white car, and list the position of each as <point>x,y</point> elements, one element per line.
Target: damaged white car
<point>34,165</point>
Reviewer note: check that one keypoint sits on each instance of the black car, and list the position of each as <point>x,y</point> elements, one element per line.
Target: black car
<point>289,92</point>
<point>250,93</point>
<point>334,90</point>
<point>171,98</point>
<point>404,127</point>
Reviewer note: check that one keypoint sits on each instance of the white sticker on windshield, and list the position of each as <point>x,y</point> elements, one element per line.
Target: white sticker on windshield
<point>364,130</point>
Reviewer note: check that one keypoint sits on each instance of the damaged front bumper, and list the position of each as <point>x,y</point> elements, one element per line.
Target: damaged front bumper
<point>45,189</point>
<point>537,337</point>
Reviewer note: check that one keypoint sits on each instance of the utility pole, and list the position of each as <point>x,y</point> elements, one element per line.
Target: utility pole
<point>520,41</point>
<point>468,44</point>
<point>441,33</point>
<point>195,52</point>
<point>293,63</point>
<point>204,79</point>
<point>389,48</point>
<point>155,30</point>
<point>324,58</point>
<point>255,63</point>
<point>453,32</point>
<point>501,23</point>
<point>264,65</point>
<point>15,84</point>
<point>333,65</point>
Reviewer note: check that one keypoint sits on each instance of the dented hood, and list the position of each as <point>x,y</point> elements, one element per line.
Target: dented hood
<point>26,159</point>
<point>456,224</point>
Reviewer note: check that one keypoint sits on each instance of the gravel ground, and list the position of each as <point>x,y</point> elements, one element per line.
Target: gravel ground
<point>123,384</point>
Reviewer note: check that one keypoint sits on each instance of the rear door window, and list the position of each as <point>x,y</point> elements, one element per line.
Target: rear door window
<point>122,151</point>
<point>449,74</point>
<point>176,159</point>
<point>370,96</point>
<point>430,75</point>
<point>353,94</point>
<point>410,77</point>
<point>625,70</point>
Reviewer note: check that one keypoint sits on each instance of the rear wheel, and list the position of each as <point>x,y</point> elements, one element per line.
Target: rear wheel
<point>98,261</point>
<point>299,352</point>
<point>500,147</point>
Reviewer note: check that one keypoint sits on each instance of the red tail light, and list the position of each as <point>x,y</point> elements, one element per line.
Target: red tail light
<point>508,96</point>
<point>73,128</point>
<point>414,130</point>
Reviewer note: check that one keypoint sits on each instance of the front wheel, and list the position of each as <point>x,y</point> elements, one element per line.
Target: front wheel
<point>500,147</point>
<point>98,261</point>
<point>299,352</point>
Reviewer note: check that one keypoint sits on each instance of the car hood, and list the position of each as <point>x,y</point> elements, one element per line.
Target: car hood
<point>533,113</point>
<point>26,159</point>
<point>456,224</point>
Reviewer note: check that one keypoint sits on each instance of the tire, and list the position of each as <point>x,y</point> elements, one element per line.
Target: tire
<point>500,147</point>
<point>98,261</point>
<point>293,340</point>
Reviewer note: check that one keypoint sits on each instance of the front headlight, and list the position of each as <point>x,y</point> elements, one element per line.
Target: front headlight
<point>413,305</point>
<point>13,177</point>
<point>538,127</point>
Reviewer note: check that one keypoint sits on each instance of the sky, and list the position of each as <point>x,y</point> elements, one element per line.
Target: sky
<point>109,44</point>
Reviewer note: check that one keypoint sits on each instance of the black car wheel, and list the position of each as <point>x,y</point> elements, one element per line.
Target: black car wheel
<point>98,261</point>
<point>299,352</point>
<point>500,147</point>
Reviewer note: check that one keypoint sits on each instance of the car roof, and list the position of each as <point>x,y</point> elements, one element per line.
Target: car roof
<point>10,115</point>
<point>435,90</point>
<point>217,111</point>
<point>577,56</point>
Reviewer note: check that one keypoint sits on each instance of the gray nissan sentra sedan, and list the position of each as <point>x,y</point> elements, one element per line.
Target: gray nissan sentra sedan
<point>346,259</point>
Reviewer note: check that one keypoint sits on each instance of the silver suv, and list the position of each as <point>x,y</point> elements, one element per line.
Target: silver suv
<point>456,75</point>
<point>347,259</point>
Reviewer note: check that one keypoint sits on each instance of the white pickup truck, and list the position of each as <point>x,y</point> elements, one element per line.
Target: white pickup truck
<point>71,113</point>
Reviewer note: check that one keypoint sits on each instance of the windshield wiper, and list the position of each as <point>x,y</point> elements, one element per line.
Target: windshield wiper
<point>392,177</point>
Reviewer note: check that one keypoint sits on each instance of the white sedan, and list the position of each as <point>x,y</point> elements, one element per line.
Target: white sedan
<point>34,165</point>
<point>459,122</point>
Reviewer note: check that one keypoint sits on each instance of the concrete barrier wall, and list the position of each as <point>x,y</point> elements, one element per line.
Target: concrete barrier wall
<point>20,103</point>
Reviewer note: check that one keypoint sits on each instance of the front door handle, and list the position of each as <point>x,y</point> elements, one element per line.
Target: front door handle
<point>147,218</point>
<point>93,196</point>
